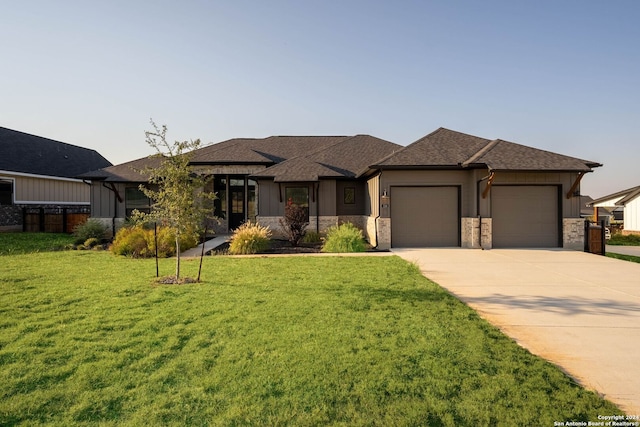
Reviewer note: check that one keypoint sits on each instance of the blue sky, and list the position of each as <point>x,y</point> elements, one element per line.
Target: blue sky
<point>557,75</point>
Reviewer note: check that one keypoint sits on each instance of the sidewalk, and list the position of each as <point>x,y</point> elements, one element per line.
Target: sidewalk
<point>623,250</point>
<point>208,245</point>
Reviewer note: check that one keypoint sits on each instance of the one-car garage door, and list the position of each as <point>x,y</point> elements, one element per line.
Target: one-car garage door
<point>525,216</point>
<point>425,216</point>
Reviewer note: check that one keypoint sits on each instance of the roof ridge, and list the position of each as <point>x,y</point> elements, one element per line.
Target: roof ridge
<point>481,152</point>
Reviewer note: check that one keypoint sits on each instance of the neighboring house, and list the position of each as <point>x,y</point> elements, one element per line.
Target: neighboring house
<point>586,211</point>
<point>446,189</point>
<point>627,200</point>
<point>40,173</point>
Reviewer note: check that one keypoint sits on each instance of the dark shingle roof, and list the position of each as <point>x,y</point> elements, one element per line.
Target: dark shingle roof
<point>273,149</point>
<point>25,153</point>
<point>125,172</point>
<point>283,155</point>
<point>348,158</point>
<point>445,148</point>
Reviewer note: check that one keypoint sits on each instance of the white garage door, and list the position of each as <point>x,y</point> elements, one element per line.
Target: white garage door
<point>425,217</point>
<point>525,216</point>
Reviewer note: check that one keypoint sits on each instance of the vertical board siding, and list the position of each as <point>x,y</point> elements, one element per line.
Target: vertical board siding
<point>31,189</point>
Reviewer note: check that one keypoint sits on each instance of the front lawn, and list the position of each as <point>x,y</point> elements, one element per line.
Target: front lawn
<point>621,240</point>
<point>85,339</point>
<point>22,243</point>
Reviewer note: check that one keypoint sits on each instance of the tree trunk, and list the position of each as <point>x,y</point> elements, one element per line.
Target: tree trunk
<point>177,256</point>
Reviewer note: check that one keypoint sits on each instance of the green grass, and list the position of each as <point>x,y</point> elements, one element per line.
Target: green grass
<point>620,240</point>
<point>85,339</point>
<point>22,243</point>
<point>624,257</point>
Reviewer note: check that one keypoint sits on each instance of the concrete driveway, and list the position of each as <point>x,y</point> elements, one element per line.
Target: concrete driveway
<point>577,310</point>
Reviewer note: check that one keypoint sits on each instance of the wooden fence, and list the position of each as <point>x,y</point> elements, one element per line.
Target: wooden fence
<point>53,220</point>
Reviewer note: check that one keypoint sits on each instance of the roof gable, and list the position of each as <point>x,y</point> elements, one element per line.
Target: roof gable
<point>273,149</point>
<point>504,155</point>
<point>617,199</point>
<point>347,158</point>
<point>26,153</point>
<point>445,148</point>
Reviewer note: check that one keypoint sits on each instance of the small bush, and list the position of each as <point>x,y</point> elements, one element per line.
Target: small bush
<point>132,242</point>
<point>139,242</point>
<point>312,237</point>
<point>91,242</point>
<point>249,239</point>
<point>345,238</point>
<point>294,223</point>
<point>91,229</point>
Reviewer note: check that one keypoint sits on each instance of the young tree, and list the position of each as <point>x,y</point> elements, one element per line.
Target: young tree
<point>177,194</point>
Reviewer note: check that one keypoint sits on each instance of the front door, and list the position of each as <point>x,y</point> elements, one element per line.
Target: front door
<point>236,203</point>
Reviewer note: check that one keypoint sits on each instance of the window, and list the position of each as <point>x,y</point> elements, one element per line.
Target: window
<point>6,192</point>
<point>220,203</point>
<point>136,199</point>
<point>298,196</point>
<point>252,208</point>
<point>350,195</point>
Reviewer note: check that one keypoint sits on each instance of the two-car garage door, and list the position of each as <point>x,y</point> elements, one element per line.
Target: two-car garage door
<point>425,216</point>
<point>429,216</point>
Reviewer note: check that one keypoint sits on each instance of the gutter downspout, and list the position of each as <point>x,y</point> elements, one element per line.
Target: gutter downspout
<point>116,199</point>
<point>491,173</point>
<point>375,221</point>
<point>317,207</point>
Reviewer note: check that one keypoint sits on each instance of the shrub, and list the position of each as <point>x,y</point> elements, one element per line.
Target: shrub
<point>139,242</point>
<point>91,229</point>
<point>312,237</point>
<point>345,238</point>
<point>132,242</point>
<point>91,242</point>
<point>249,239</point>
<point>294,223</point>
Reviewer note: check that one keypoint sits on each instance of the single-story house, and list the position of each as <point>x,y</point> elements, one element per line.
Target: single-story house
<point>629,201</point>
<point>446,189</point>
<point>38,173</point>
<point>587,212</point>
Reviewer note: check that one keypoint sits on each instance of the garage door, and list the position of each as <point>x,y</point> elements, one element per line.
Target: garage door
<point>425,216</point>
<point>524,216</point>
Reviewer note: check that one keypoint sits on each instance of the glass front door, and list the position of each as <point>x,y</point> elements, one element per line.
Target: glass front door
<point>236,203</point>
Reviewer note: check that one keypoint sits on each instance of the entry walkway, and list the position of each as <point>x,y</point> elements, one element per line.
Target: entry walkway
<point>577,310</point>
<point>208,246</point>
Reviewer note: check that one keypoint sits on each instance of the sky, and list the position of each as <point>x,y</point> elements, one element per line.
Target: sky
<point>560,75</point>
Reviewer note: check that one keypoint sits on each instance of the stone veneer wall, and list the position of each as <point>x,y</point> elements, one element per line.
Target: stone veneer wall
<point>384,233</point>
<point>471,233</point>
<point>573,233</point>
<point>10,218</point>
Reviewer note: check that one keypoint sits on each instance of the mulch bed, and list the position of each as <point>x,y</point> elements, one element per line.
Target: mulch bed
<point>282,247</point>
<point>277,247</point>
